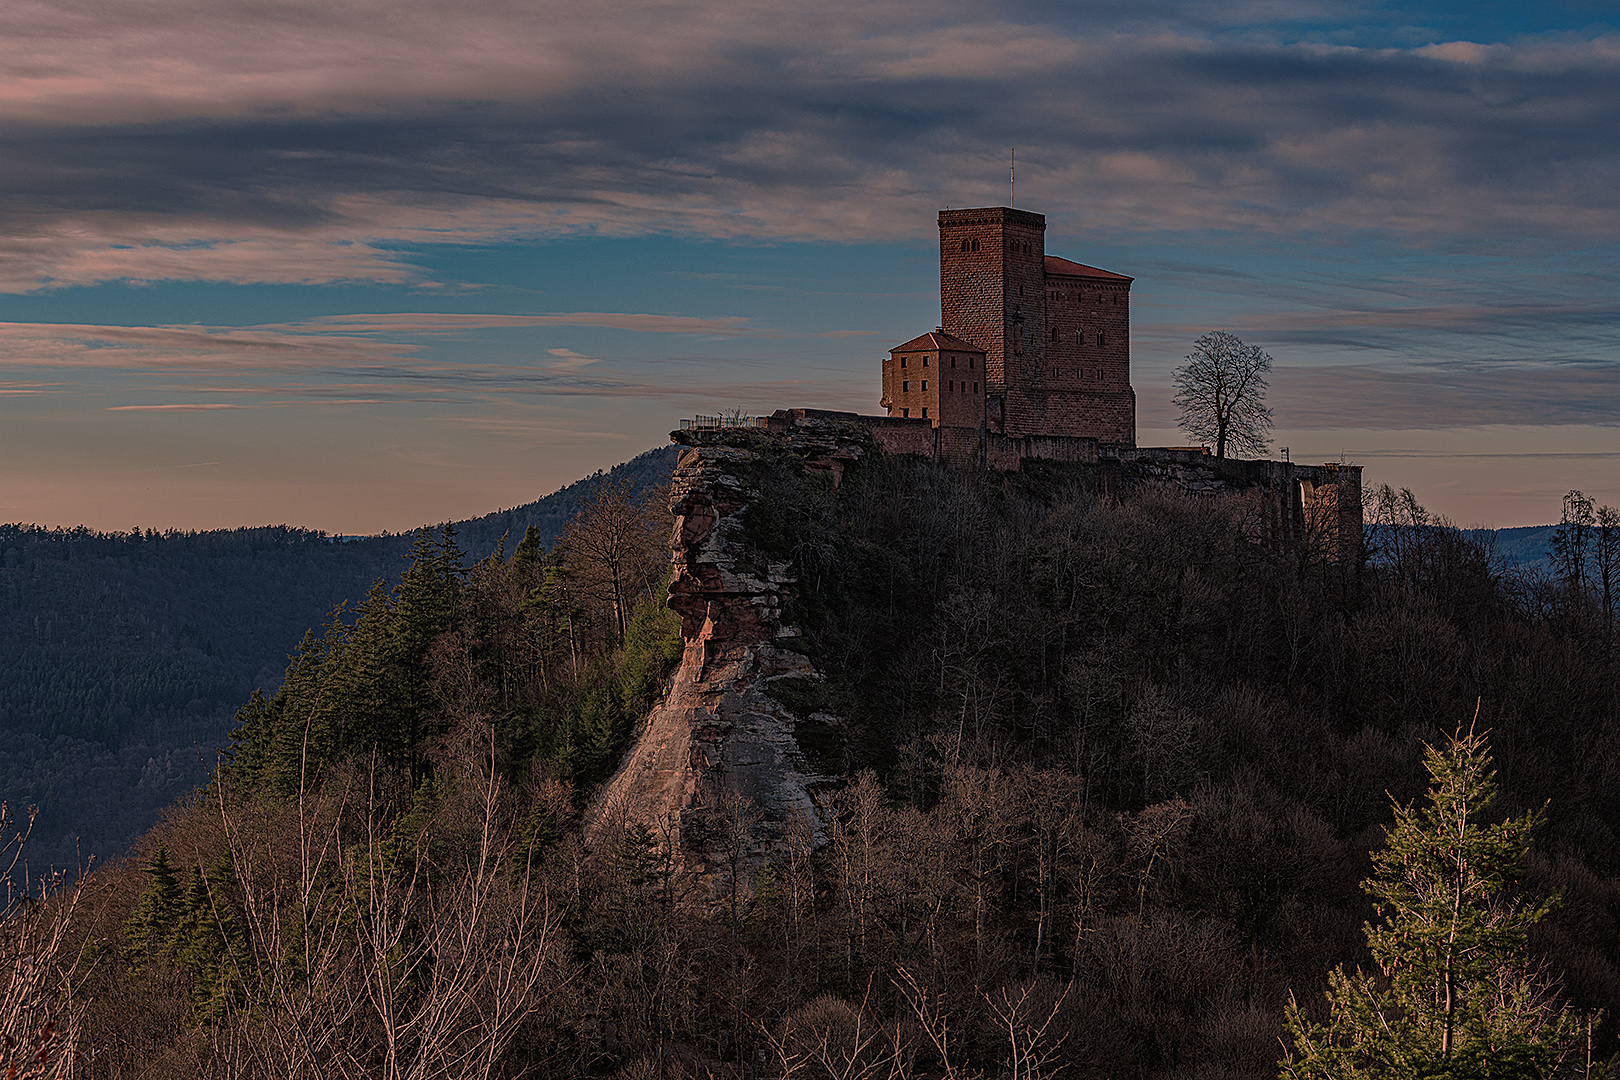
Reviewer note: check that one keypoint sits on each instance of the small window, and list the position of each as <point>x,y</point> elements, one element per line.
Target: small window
<point>970,367</point>
<point>975,388</point>
<point>925,386</point>
<point>905,412</point>
<point>902,361</point>
<point>1054,333</point>
<point>905,388</point>
<point>964,245</point>
<point>953,362</point>
<point>1079,338</point>
<point>975,245</point>
<point>925,412</point>
<point>925,361</point>
<point>951,387</point>
<point>1101,340</point>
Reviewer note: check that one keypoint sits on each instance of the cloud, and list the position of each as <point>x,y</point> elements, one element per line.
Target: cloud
<point>386,360</point>
<point>183,407</point>
<point>1431,396</point>
<point>568,361</point>
<point>177,140</point>
<point>324,342</point>
<point>430,322</point>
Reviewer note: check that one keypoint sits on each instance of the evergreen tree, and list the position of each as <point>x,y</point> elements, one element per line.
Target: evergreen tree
<point>208,944</point>
<point>150,931</point>
<point>1455,994</point>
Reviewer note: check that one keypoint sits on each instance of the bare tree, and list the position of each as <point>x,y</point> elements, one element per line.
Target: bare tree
<point>39,1021</point>
<point>615,548</point>
<point>1221,392</point>
<point>1606,556</point>
<point>417,952</point>
<point>1572,543</point>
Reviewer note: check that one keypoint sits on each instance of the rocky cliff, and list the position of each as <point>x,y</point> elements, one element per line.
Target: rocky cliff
<point>717,773</point>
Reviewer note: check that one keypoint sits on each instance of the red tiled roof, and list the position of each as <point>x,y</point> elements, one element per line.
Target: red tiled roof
<point>936,340</point>
<point>1065,268</point>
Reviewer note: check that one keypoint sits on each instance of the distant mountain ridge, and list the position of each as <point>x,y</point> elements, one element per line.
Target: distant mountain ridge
<point>124,657</point>
<point>1523,545</point>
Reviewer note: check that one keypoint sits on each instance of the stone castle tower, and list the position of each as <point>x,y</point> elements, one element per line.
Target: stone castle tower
<point>1046,340</point>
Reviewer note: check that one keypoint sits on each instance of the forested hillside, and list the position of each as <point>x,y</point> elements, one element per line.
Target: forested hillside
<point>124,655</point>
<point>1110,778</point>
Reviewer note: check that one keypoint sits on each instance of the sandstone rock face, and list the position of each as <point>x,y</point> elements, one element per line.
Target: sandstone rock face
<point>718,735</point>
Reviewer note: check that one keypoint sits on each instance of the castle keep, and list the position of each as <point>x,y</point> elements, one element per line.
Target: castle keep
<point>1028,344</point>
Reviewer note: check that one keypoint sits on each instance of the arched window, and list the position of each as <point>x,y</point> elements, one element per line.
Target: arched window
<point>1054,333</point>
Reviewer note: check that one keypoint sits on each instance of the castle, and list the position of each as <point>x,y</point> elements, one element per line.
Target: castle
<point>1029,344</point>
<point>1031,362</point>
<point>1029,371</point>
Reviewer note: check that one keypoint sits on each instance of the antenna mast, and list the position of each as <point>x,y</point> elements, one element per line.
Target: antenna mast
<point>1012,179</point>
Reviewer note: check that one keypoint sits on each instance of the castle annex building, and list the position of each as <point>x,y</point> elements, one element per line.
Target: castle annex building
<point>1029,344</point>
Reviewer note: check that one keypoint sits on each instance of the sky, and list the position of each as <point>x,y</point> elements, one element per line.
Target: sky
<point>360,265</point>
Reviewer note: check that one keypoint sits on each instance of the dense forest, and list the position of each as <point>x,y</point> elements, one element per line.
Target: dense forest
<point>123,656</point>
<point>1112,777</point>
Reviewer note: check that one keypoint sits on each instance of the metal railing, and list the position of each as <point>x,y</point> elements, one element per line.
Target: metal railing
<point>715,423</point>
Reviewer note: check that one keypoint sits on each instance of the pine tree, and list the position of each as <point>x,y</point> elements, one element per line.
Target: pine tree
<point>1455,994</point>
<point>150,931</point>
<point>208,944</point>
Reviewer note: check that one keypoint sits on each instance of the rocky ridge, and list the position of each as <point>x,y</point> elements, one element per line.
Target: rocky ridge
<point>717,772</point>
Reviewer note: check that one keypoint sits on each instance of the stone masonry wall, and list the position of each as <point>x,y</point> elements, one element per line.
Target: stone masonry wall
<point>994,297</point>
<point>1057,346</point>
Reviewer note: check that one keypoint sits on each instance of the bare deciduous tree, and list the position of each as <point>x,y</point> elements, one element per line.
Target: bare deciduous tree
<point>39,1021</point>
<point>616,548</point>
<point>1221,392</point>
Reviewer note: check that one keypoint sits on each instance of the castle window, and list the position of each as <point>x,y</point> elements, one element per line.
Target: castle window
<point>1079,338</point>
<point>975,245</point>
<point>1054,333</point>
<point>925,412</point>
<point>1101,341</point>
<point>925,385</point>
<point>905,388</point>
<point>964,245</point>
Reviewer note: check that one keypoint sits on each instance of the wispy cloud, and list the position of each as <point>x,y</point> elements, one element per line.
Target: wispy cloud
<point>178,407</point>
<point>430,322</point>
<point>1432,396</point>
<point>386,340</point>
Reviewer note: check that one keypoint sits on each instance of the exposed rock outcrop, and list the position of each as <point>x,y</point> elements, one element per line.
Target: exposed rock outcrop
<point>717,773</point>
